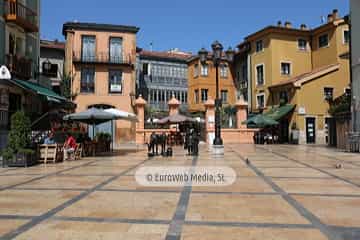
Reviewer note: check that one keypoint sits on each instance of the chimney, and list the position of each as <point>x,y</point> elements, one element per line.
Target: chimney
<point>335,14</point>
<point>279,24</point>
<point>288,25</point>
<point>330,18</point>
<point>303,27</point>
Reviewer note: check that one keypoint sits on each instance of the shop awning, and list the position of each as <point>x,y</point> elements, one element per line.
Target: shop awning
<point>277,113</point>
<point>48,93</point>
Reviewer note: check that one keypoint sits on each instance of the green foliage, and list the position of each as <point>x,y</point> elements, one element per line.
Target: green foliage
<point>65,86</point>
<point>19,135</point>
<point>103,137</point>
<point>341,106</point>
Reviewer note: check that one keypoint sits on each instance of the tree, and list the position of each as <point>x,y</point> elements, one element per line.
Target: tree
<point>65,86</point>
<point>19,135</point>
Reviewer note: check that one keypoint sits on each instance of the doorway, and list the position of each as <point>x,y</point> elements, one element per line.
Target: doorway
<point>310,130</point>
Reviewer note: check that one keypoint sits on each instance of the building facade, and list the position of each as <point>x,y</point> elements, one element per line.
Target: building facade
<point>101,60</point>
<point>161,75</point>
<point>52,57</point>
<point>19,52</point>
<point>298,67</point>
<point>355,50</point>
<point>202,84</point>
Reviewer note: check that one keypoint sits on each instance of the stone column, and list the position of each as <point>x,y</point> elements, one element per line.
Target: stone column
<point>241,113</point>
<point>210,120</point>
<point>173,106</point>
<point>140,109</point>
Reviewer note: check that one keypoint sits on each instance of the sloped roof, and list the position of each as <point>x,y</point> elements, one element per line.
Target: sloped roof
<point>305,77</point>
<point>52,44</point>
<point>165,55</point>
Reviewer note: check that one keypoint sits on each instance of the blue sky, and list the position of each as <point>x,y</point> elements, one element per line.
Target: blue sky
<point>186,24</point>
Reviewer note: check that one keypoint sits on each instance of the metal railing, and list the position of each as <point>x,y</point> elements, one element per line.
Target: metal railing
<point>19,66</point>
<point>101,57</point>
<point>19,11</point>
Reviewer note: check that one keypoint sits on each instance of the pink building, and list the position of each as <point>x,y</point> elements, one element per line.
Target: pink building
<point>101,59</point>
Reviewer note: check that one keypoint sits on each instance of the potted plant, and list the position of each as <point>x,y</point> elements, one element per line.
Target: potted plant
<point>18,152</point>
<point>295,134</point>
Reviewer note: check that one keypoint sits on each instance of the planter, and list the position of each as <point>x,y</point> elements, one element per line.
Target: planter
<point>21,160</point>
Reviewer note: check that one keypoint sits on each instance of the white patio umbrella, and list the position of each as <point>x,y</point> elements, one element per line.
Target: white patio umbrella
<point>122,115</point>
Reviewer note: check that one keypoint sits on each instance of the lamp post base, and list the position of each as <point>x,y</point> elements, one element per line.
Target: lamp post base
<point>354,142</point>
<point>218,150</point>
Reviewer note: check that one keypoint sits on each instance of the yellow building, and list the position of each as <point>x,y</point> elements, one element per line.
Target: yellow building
<point>304,68</point>
<point>202,84</point>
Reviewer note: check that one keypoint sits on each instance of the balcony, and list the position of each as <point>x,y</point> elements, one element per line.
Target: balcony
<point>102,58</point>
<point>243,85</point>
<point>19,67</point>
<point>21,15</point>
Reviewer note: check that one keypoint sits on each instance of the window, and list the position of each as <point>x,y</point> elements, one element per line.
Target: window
<point>204,70</point>
<point>204,95</point>
<point>115,50</point>
<point>346,36</point>
<point>260,101</point>
<point>145,69</point>
<point>196,96</point>
<point>52,72</point>
<point>285,68</point>
<point>328,93</point>
<point>196,70</point>
<point>88,48</point>
<point>302,44</point>
<point>260,74</point>
<point>115,81</point>
<point>224,96</point>
<point>87,80</point>
<point>284,96</point>
<point>244,72</point>
<point>223,71</point>
<point>259,46</point>
<point>323,41</point>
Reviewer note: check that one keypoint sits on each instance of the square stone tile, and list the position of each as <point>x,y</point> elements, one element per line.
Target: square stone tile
<point>63,181</point>
<point>6,181</point>
<point>241,184</point>
<point>7,226</point>
<point>58,230</point>
<point>29,202</point>
<point>337,211</point>
<point>131,205</point>
<point>317,186</point>
<point>129,183</point>
<point>242,208</point>
<point>97,170</point>
<point>235,233</point>
<point>292,172</point>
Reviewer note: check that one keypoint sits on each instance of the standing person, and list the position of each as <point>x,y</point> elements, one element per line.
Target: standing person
<point>191,142</point>
<point>196,140</point>
<point>187,137</point>
<point>69,146</point>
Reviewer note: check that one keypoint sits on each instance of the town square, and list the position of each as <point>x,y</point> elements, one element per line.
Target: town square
<point>179,120</point>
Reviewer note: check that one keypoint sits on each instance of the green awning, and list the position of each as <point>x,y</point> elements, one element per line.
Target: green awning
<point>277,113</point>
<point>260,121</point>
<point>48,93</point>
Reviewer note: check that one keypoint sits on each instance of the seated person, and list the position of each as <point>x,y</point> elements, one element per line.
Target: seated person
<point>69,146</point>
<point>49,139</point>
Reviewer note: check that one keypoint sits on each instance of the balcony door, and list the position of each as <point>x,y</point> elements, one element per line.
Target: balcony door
<point>88,48</point>
<point>115,50</point>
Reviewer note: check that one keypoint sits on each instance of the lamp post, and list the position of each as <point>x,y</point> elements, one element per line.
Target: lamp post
<point>217,58</point>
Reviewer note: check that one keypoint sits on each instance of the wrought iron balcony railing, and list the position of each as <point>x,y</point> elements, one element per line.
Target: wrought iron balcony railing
<point>101,58</point>
<point>21,15</point>
<point>20,67</point>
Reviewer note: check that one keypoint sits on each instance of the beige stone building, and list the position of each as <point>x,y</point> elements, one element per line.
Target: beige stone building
<point>101,59</point>
<point>300,67</point>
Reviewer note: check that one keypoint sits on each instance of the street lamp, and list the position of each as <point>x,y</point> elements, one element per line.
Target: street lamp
<point>217,54</point>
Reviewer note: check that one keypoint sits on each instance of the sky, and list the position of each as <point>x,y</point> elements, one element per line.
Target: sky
<point>187,24</point>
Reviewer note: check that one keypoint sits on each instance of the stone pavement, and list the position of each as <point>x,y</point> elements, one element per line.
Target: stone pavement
<point>285,193</point>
